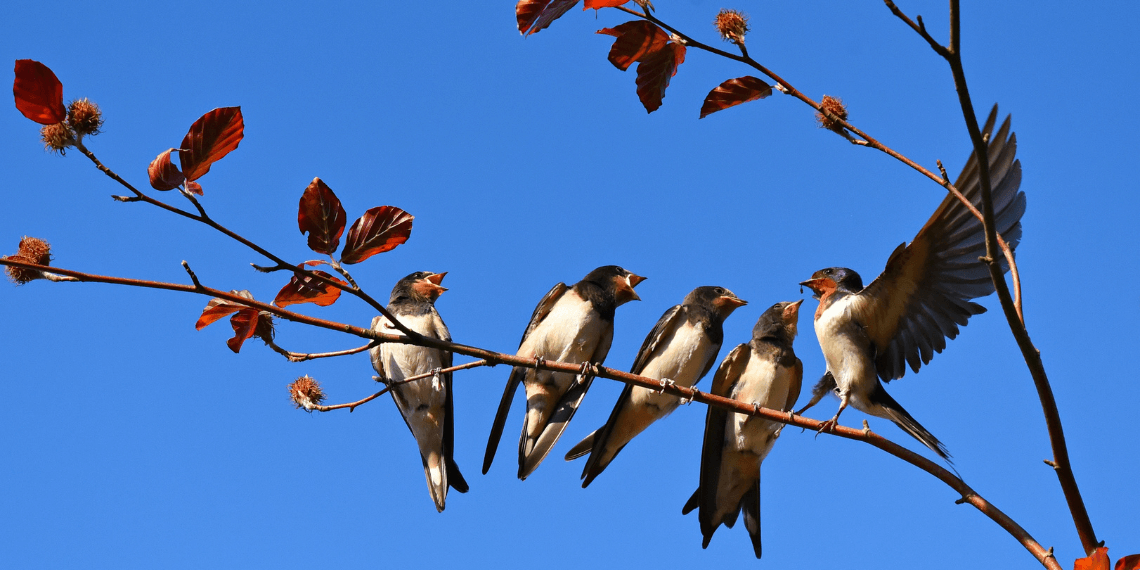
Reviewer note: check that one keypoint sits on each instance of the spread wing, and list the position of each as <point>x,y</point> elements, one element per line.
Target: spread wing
<point>517,374</point>
<point>653,340</point>
<point>924,294</point>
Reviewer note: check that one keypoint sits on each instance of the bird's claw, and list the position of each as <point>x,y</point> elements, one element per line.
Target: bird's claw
<point>435,383</point>
<point>587,370</point>
<point>539,362</point>
<point>829,425</point>
<point>664,383</point>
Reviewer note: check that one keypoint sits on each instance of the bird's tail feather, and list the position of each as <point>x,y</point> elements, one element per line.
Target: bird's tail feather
<point>907,423</point>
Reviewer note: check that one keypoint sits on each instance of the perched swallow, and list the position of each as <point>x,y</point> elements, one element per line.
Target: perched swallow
<point>923,296</point>
<point>681,347</point>
<point>425,404</point>
<point>763,372</point>
<point>574,325</point>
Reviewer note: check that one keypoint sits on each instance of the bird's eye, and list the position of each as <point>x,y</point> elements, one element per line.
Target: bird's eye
<point>719,290</point>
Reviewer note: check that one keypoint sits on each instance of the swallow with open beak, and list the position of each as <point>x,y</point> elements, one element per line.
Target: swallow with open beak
<point>425,404</point>
<point>572,324</point>
<point>764,372</point>
<point>681,348</point>
<point>904,316</point>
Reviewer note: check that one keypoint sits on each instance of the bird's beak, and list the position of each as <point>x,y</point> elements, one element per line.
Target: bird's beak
<point>429,286</point>
<point>730,301</point>
<point>792,312</point>
<point>815,285</point>
<point>625,287</point>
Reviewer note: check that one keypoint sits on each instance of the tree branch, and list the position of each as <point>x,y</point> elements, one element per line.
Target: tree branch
<point>1012,307</point>
<point>491,358</point>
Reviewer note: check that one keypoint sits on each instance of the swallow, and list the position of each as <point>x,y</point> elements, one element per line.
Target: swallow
<point>765,372</point>
<point>573,324</point>
<point>681,348</point>
<point>425,404</point>
<point>869,334</point>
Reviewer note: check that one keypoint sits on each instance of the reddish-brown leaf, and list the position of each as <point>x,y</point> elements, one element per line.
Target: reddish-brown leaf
<point>599,4</point>
<point>38,92</point>
<point>535,15</point>
<point>210,138</point>
<point>378,230</point>
<point>635,41</point>
<point>1130,562</point>
<point>218,308</point>
<point>322,217</point>
<point>194,188</point>
<point>1097,561</point>
<point>308,290</point>
<point>244,324</point>
<point>654,73</point>
<point>734,92</point>
<point>163,174</point>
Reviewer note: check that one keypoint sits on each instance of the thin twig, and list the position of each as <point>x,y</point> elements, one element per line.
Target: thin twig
<point>1010,305</point>
<point>867,141</point>
<point>352,405</point>
<point>303,356</point>
<point>193,277</point>
<point>205,219</point>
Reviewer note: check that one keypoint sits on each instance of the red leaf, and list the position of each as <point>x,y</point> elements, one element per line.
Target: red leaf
<point>244,324</point>
<point>210,138</point>
<point>734,92</point>
<point>38,93</point>
<point>322,217</point>
<point>654,73</point>
<point>1098,561</point>
<point>378,230</point>
<point>308,290</point>
<point>194,188</point>
<point>163,174</point>
<point>599,4</point>
<point>535,15</point>
<point>635,40</point>
<point>1130,562</point>
<point>218,308</point>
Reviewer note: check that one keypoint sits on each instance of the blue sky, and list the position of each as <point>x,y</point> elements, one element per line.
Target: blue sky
<point>135,441</point>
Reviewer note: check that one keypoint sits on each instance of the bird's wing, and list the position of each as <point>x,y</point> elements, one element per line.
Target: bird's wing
<point>517,374</point>
<point>563,411</point>
<point>543,308</point>
<point>454,477</point>
<point>924,294</point>
<point>664,326</point>
<point>711,451</point>
<point>794,388</point>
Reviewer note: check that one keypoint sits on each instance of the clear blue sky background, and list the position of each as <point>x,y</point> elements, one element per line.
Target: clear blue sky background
<point>133,441</point>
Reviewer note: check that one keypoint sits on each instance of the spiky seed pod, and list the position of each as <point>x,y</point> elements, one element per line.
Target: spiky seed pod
<point>31,250</point>
<point>835,106</point>
<point>85,117</point>
<point>57,137</point>
<point>732,25</point>
<point>306,393</point>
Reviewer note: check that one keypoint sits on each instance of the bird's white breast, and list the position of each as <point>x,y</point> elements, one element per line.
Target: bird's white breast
<point>845,347</point>
<point>680,357</point>
<point>766,383</point>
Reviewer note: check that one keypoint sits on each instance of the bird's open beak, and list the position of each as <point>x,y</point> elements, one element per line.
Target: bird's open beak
<point>436,278</point>
<point>792,312</point>
<point>625,287</point>
<point>816,285</point>
<point>429,286</point>
<point>730,301</point>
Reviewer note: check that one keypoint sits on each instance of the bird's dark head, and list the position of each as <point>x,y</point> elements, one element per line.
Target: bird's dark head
<point>780,322</point>
<point>827,280</point>
<point>618,280</point>
<point>717,299</point>
<point>419,286</point>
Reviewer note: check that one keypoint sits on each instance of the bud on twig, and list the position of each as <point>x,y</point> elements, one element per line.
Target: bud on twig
<point>306,393</point>
<point>264,329</point>
<point>32,250</point>
<point>732,25</point>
